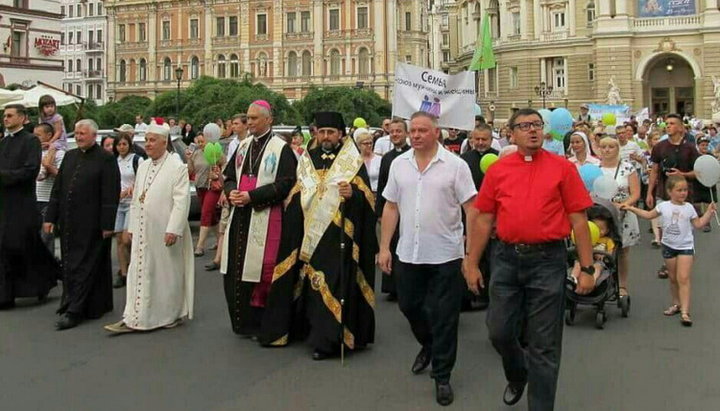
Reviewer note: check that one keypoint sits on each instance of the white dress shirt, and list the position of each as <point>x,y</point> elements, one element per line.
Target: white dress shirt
<point>383,145</point>
<point>429,203</point>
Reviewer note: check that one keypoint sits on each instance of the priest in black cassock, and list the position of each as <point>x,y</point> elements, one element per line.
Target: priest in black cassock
<point>258,178</point>
<point>330,204</point>
<point>398,138</point>
<point>83,205</point>
<point>480,141</point>
<point>26,267</point>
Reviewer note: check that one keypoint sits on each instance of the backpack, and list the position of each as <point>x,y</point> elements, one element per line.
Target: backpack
<point>136,162</point>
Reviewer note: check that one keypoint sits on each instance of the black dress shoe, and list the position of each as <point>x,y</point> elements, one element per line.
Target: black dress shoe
<point>513,392</point>
<point>444,393</point>
<point>319,355</point>
<point>422,360</point>
<point>8,305</point>
<point>42,298</point>
<point>392,297</point>
<point>67,321</point>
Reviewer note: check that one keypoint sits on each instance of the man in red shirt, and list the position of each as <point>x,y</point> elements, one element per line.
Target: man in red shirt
<point>534,198</point>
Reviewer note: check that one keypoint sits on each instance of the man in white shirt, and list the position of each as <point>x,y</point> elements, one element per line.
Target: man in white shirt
<point>383,144</point>
<point>427,186</point>
<point>140,125</point>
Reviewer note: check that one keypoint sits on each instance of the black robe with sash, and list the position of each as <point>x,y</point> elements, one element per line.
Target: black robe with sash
<point>305,297</point>
<point>388,281</point>
<point>82,205</point>
<point>245,320</point>
<point>26,267</point>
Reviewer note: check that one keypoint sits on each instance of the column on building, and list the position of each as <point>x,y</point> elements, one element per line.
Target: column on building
<point>278,11</point>
<point>244,33</point>
<point>318,17</point>
<point>151,65</point>
<point>207,62</point>
<point>571,13</point>
<point>110,67</point>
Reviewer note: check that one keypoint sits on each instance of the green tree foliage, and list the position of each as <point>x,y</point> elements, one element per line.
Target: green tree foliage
<point>351,102</point>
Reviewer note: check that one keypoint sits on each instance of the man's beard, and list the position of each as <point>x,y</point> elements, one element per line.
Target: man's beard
<point>328,146</point>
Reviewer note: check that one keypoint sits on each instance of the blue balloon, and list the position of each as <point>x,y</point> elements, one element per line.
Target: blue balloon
<point>589,173</point>
<point>561,121</point>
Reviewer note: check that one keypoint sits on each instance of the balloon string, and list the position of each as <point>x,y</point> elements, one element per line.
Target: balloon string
<point>717,220</point>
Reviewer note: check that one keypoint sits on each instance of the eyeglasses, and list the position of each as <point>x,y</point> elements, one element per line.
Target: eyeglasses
<point>366,143</point>
<point>525,126</point>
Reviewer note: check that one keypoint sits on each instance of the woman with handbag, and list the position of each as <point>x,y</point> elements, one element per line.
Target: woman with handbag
<point>208,184</point>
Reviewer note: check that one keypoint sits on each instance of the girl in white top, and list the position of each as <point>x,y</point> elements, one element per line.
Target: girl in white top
<point>372,161</point>
<point>128,162</point>
<point>677,219</point>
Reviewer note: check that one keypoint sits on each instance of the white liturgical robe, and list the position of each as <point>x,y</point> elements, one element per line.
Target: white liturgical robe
<point>161,279</point>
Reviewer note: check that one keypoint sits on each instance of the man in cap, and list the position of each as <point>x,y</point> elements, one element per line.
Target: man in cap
<point>83,204</point>
<point>160,285</point>
<point>326,263</point>
<point>584,116</point>
<point>258,177</point>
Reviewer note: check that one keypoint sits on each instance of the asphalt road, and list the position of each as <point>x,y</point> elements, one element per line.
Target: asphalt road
<point>644,362</point>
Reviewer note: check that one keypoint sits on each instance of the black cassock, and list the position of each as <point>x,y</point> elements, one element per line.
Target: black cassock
<point>472,158</point>
<point>301,308</point>
<point>26,267</point>
<point>388,281</point>
<point>82,205</point>
<point>244,318</point>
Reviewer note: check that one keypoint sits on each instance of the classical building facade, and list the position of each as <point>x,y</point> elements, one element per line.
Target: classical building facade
<point>588,51</point>
<point>287,45</point>
<point>30,35</point>
<point>84,31</point>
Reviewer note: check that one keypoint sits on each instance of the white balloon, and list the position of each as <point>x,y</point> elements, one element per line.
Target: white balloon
<point>211,132</point>
<point>707,170</point>
<point>605,187</point>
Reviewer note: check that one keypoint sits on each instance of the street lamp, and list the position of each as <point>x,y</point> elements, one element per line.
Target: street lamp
<point>544,91</point>
<point>178,76</point>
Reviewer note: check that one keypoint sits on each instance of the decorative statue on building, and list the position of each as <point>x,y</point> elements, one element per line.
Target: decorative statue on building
<point>716,92</point>
<point>613,96</point>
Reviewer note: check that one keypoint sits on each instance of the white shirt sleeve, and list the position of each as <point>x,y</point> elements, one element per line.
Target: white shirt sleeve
<point>496,145</point>
<point>391,192</point>
<point>464,185</point>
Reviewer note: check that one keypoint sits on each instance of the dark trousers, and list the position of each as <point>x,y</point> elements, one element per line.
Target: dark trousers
<point>430,296</point>
<point>47,239</point>
<point>527,290</point>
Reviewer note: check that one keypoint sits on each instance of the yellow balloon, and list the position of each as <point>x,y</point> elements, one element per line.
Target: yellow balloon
<point>594,233</point>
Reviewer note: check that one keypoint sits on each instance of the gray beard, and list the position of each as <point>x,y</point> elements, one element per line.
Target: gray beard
<point>328,146</point>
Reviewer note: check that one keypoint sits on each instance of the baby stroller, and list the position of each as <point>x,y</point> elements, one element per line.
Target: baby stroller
<point>607,287</point>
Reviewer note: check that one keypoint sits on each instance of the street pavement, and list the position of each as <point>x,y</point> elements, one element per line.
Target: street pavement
<point>644,362</point>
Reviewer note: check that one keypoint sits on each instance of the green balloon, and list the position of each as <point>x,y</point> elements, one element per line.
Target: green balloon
<point>556,135</point>
<point>486,161</point>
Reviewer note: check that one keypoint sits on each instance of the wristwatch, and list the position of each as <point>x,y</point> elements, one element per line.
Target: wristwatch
<point>590,270</point>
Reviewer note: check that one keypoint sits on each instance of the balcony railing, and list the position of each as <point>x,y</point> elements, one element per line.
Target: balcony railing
<point>554,35</point>
<point>93,73</point>
<point>364,33</point>
<point>665,23</point>
<point>92,46</point>
<point>299,36</point>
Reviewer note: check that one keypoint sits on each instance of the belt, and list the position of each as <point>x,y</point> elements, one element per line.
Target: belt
<point>522,248</point>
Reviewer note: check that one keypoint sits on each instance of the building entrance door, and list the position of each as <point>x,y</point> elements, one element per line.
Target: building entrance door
<point>670,86</point>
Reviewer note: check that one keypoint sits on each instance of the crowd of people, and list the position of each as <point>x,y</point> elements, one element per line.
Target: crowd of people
<point>299,226</point>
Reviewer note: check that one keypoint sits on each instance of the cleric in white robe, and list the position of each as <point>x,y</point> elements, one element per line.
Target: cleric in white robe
<point>161,277</point>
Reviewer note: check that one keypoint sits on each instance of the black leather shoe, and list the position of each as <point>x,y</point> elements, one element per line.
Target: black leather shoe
<point>67,321</point>
<point>318,355</point>
<point>422,360</point>
<point>8,305</point>
<point>513,392</point>
<point>444,393</point>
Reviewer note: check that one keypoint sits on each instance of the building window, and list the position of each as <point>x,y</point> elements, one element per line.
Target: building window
<point>362,17</point>
<point>70,37</point>
<point>233,23</point>
<point>166,30</point>
<point>234,66</point>
<point>558,20</point>
<point>99,65</point>
<point>444,20</point>
<point>78,90</point>
<point>290,18</point>
<point>220,26</point>
<point>99,9</point>
<point>90,64</point>
<point>69,66</point>
<point>123,72</point>
<point>408,21</point>
<point>516,23</point>
<point>62,38</point>
<point>194,28</point>
<point>71,10</point>
<point>306,64</point>
<point>90,91</point>
<point>334,19</point>
<point>408,59</point>
<point>62,10</point>
<point>305,21</point>
<point>167,69</point>
<point>363,62</point>
<point>142,36</point>
<point>98,89</point>
<point>79,13</point>
<point>590,9</point>
<point>221,66</point>
<point>446,39</point>
<point>513,77</point>
<point>91,12</point>
<point>591,71</point>
<point>446,56</point>
<point>492,80</point>
<point>334,62</point>
<point>262,24</point>
<point>78,63</point>
<point>121,32</point>
<point>143,70</point>
<point>194,68</point>
<point>558,73</point>
<point>90,36</point>
<point>79,37</point>
<point>292,64</point>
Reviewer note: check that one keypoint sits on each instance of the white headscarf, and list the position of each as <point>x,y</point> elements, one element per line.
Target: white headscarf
<point>588,149</point>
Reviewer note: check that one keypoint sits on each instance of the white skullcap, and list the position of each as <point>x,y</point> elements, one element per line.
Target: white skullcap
<point>162,129</point>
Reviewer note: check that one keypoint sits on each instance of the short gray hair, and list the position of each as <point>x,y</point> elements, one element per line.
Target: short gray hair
<point>263,109</point>
<point>433,119</point>
<point>88,123</point>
